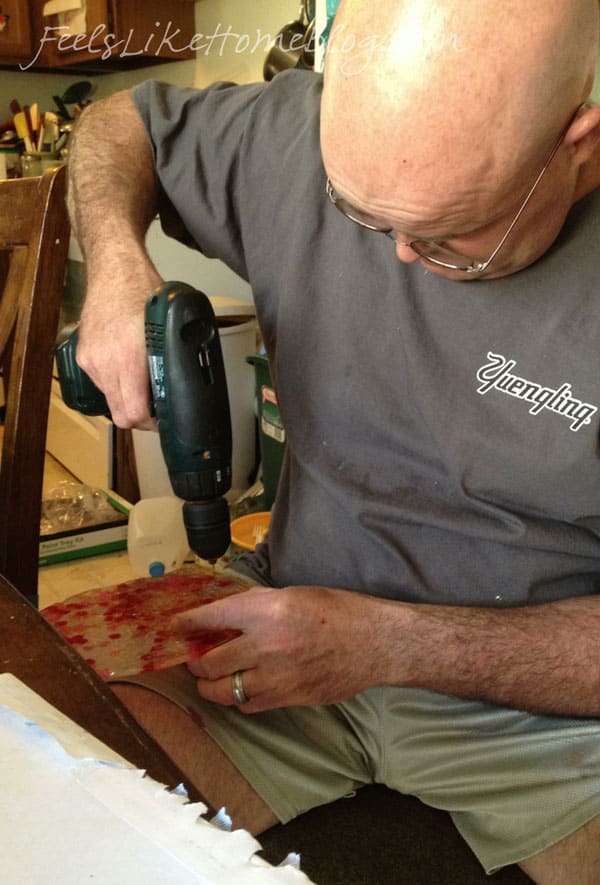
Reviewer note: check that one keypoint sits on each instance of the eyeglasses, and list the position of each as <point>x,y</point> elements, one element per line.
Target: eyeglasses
<point>430,250</point>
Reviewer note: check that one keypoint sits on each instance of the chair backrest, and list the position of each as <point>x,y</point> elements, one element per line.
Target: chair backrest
<point>34,239</point>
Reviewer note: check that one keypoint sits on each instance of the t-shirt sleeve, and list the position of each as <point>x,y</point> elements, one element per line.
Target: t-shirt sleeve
<point>197,137</point>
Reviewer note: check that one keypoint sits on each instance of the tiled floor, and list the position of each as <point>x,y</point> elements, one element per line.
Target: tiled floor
<point>58,582</point>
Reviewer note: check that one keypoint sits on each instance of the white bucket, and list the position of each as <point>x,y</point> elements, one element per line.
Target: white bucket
<point>237,342</point>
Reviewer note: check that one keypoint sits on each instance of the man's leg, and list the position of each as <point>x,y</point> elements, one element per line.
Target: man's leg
<point>198,756</point>
<point>574,860</point>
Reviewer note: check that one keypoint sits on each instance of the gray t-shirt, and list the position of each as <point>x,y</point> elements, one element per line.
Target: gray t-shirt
<point>442,436</point>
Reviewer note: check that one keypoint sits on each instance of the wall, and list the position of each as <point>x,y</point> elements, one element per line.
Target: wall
<point>28,88</point>
<point>233,38</point>
<point>595,96</point>
<point>238,55</point>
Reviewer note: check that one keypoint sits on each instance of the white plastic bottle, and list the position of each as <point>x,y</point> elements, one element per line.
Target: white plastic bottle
<point>156,537</point>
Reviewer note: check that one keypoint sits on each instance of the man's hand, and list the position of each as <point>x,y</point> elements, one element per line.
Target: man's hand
<point>112,347</point>
<point>299,646</point>
<point>315,645</point>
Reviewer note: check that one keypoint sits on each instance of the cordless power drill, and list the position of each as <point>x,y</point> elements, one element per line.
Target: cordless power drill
<point>190,401</point>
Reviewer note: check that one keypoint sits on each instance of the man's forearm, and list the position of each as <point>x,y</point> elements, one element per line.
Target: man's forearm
<point>540,658</point>
<point>112,191</point>
<point>112,199</point>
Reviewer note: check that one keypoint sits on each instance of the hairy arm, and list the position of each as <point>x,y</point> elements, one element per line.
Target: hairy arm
<point>540,658</point>
<point>112,199</point>
<point>316,645</point>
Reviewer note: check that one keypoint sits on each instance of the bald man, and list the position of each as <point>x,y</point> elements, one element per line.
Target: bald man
<point>419,234</point>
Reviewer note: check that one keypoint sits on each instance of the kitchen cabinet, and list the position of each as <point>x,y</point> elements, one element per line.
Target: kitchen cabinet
<point>15,34</point>
<point>117,35</point>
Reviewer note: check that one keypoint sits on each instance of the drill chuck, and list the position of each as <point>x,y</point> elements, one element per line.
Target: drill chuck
<point>207,527</point>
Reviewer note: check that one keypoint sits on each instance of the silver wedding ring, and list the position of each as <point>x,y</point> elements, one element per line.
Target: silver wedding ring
<point>237,687</point>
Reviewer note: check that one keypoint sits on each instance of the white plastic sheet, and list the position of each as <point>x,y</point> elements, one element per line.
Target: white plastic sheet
<point>73,810</point>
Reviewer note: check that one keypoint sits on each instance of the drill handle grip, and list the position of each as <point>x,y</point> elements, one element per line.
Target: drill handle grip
<point>77,388</point>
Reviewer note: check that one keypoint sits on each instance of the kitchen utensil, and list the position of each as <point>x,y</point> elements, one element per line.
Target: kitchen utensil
<point>29,122</point>
<point>62,108</point>
<point>40,136</point>
<point>307,60</point>
<point>64,139</point>
<point>293,47</point>
<point>124,630</point>
<point>51,131</point>
<point>23,130</point>
<point>78,93</point>
<point>34,112</point>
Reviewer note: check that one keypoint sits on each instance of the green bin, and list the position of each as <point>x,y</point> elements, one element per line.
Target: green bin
<point>271,429</point>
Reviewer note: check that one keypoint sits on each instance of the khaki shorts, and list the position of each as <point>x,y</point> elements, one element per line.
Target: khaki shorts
<point>513,783</point>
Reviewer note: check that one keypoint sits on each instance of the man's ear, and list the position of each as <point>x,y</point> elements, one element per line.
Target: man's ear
<point>583,135</point>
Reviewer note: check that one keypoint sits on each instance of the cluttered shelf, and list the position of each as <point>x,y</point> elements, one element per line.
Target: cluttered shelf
<point>34,138</point>
<point>64,579</point>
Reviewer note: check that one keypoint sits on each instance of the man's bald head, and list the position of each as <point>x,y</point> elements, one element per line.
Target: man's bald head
<point>448,92</point>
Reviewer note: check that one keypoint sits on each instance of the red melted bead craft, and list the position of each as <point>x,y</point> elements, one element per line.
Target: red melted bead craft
<point>124,630</point>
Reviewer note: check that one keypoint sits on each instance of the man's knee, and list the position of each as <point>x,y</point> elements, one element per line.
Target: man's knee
<point>156,714</point>
<point>184,738</point>
<point>575,860</point>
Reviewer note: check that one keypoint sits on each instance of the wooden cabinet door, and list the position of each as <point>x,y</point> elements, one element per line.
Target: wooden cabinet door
<point>160,28</point>
<point>120,34</point>
<point>15,36</point>
<point>56,46</point>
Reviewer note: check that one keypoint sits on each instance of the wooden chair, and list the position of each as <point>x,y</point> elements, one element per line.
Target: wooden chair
<point>34,239</point>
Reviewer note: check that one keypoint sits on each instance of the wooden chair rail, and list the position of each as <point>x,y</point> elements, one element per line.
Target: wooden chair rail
<point>34,235</point>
